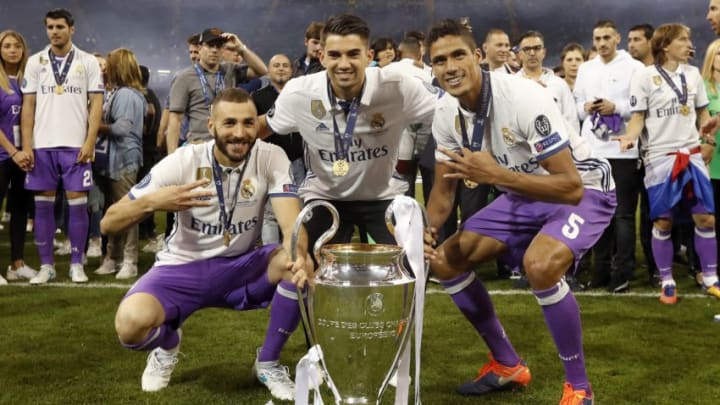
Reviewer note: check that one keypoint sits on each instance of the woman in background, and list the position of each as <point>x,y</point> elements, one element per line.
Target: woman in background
<point>13,161</point>
<point>122,127</point>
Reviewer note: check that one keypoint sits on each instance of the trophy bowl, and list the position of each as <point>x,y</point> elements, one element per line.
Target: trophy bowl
<point>359,310</point>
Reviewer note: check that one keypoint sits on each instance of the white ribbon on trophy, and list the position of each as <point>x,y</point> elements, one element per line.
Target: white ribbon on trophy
<point>409,234</point>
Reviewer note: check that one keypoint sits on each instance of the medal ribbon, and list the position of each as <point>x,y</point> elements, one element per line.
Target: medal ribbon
<point>682,95</point>
<point>482,113</point>
<point>219,83</point>
<point>343,141</point>
<point>225,216</point>
<point>57,67</point>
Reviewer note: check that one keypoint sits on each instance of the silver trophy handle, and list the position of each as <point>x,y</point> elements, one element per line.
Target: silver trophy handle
<point>303,217</point>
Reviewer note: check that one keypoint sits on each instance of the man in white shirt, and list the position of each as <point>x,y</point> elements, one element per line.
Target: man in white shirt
<point>62,106</point>
<point>218,190</point>
<point>532,54</point>
<point>602,96</point>
<point>496,49</point>
<point>351,118</point>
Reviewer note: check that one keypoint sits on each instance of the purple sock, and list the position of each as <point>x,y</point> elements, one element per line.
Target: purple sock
<point>284,319</point>
<point>79,224</point>
<point>163,336</point>
<point>706,248</point>
<point>562,316</point>
<point>662,249</point>
<point>474,302</point>
<point>45,228</point>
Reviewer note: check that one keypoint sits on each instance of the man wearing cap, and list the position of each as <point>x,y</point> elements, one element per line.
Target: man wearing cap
<point>195,87</point>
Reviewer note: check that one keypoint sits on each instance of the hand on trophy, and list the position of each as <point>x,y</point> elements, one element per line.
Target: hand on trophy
<point>430,241</point>
<point>301,269</point>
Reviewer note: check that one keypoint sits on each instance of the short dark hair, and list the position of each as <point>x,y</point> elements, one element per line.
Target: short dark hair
<point>493,31</point>
<point>605,24</point>
<point>572,46</point>
<point>193,39</point>
<point>647,30</point>
<point>410,47</point>
<point>453,28</point>
<point>416,35</point>
<point>346,24</point>
<point>232,95</point>
<point>531,34</point>
<point>58,13</point>
<point>144,75</point>
<point>314,30</point>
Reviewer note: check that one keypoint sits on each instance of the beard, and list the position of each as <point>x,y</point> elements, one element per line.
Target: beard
<point>226,148</point>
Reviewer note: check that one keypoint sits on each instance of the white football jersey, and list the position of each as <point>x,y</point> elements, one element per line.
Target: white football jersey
<point>524,127</point>
<point>389,103</point>
<point>198,232</point>
<point>417,134</point>
<point>667,130</point>
<point>61,120</point>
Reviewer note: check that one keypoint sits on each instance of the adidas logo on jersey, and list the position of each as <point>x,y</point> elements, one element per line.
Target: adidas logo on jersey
<point>322,128</point>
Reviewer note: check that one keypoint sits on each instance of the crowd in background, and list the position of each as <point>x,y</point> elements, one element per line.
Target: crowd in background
<point>137,129</point>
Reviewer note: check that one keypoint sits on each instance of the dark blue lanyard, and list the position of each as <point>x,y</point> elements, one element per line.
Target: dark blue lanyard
<point>219,83</point>
<point>225,216</point>
<point>482,113</point>
<point>681,94</point>
<point>56,65</point>
<point>343,141</point>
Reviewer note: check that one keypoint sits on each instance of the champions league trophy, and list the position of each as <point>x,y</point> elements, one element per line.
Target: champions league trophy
<point>359,314</point>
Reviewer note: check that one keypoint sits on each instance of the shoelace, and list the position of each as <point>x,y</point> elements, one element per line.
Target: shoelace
<point>164,362</point>
<point>488,367</point>
<point>278,372</point>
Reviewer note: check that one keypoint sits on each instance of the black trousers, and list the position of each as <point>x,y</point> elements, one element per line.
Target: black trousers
<point>614,253</point>
<point>18,204</point>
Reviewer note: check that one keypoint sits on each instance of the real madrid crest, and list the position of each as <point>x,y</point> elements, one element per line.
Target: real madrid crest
<point>204,173</point>
<point>317,109</point>
<point>43,61</point>
<point>378,121</point>
<point>657,80</point>
<point>508,137</point>
<point>247,190</point>
<point>79,69</point>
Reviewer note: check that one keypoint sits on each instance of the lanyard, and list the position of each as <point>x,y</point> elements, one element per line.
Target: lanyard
<point>225,216</point>
<point>219,83</point>
<point>57,66</point>
<point>482,112</point>
<point>343,141</point>
<point>681,94</point>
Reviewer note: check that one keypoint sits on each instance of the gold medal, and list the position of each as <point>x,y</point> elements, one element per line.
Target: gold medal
<point>226,237</point>
<point>59,90</point>
<point>684,110</point>
<point>341,167</point>
<point>469,183</point>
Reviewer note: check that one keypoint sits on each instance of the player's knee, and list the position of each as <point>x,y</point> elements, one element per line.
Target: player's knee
<point>442,269</point>
<point>544,270</point>
<point>664,225</point>
<point>132,322</point>
<point>705,221</point>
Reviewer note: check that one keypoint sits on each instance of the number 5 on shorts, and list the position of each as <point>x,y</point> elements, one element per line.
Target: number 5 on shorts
<point>571,230</point>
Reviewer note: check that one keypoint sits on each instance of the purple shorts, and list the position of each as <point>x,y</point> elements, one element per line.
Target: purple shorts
<point>220,282</point>
<point>51,165</point>
<point>516,220</point>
